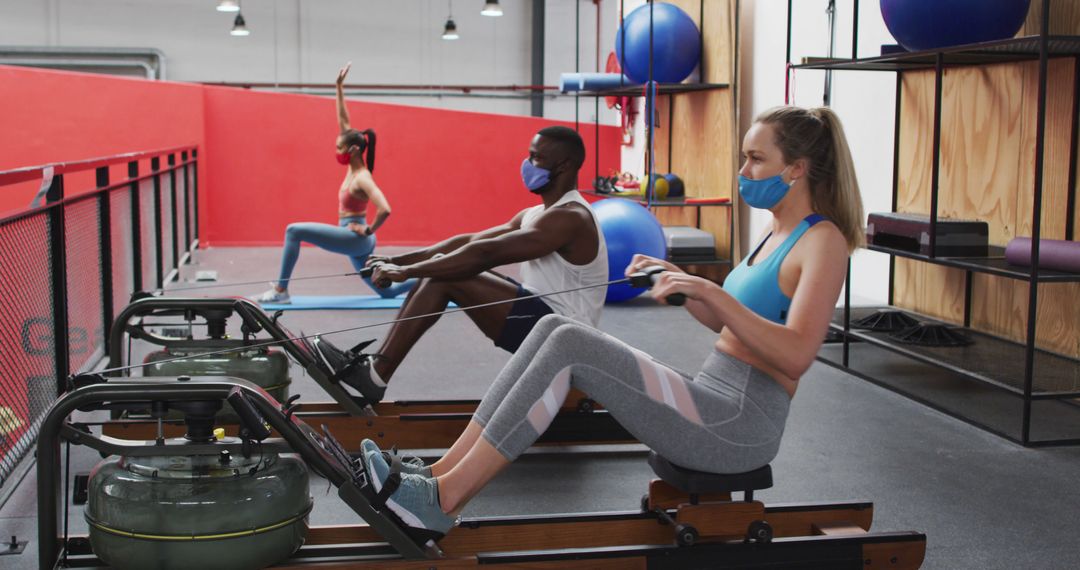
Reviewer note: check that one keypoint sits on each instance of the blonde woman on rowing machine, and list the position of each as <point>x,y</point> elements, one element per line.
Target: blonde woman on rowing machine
<point>770,315</point>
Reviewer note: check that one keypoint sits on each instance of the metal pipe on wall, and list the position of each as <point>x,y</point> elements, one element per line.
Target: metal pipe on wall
<point>538,55</point>
<point>151,59</point>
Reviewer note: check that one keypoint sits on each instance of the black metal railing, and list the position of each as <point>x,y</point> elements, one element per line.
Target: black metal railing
<point>70,261</point>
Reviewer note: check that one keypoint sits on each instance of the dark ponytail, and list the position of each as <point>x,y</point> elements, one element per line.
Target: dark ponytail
<point>369,159</point>
<point>365,140</point>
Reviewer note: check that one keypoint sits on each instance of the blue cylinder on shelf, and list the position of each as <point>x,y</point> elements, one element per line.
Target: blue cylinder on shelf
<point>571,82</point>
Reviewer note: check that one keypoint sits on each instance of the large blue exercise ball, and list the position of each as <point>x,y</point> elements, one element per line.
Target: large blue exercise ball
<point>628,228</point>
<point>930,24</point>
<point>676,44</point>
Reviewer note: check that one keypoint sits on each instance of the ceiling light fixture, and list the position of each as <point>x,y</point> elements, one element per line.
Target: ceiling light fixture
<point>450,30</point>
<point>239,26</point>
<point>492,8</point>
<point>228,6</point>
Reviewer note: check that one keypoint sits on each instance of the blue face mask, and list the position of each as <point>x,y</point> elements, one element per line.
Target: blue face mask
<point>534,177</point>
<point>764,193</point>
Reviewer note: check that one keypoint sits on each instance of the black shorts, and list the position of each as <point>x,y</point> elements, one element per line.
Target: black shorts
<point>524,314</point>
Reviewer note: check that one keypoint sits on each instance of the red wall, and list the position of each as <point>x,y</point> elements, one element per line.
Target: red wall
<point>52,116</point>
<point>271,160</point>
<point>266,159</point>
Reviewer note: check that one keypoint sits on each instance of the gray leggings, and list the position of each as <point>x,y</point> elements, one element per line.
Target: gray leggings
<point>727,419</point>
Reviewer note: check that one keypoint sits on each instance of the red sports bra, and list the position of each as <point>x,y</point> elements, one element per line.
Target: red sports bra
<point>347,203</point>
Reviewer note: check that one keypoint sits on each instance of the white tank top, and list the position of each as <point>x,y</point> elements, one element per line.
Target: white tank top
<point>553,273</point>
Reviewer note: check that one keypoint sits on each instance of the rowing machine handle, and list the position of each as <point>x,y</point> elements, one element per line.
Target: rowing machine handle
<point>647,278</point>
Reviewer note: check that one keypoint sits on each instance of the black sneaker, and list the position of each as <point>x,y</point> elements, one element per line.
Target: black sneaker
<point>353,368</point>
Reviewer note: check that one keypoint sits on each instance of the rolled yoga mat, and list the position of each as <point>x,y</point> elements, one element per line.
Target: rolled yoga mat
<point>569,82</point>
<point>1056,254</point>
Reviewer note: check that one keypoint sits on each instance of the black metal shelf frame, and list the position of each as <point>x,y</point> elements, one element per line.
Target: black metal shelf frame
<point>991,360</point>
<point>669,90</point>
<point>1042,48</point>
<point>993,264</point>
<point>661,89</point>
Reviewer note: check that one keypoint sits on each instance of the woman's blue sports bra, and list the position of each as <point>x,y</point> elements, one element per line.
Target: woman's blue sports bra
<point>757,286</point>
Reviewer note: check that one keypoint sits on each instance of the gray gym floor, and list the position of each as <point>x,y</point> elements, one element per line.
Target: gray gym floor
<point>984,503</point>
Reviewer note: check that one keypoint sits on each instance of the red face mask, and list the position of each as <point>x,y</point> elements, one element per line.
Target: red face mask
<point>343,157</point>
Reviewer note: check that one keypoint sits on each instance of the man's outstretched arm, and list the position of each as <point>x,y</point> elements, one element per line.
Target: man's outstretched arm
<point>452,244</point>
<point>554,230</point>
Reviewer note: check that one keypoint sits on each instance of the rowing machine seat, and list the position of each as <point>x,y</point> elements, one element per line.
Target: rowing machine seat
<point>700,482</point>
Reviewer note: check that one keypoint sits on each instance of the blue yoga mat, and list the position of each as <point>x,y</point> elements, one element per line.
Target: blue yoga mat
<point>350,302</point>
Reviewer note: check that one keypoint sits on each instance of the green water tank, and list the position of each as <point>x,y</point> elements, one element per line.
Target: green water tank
<point>202,512</point>
<point>267,368</point>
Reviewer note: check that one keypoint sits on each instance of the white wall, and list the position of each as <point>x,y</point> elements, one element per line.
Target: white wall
<point>306,41</point>
<point>863,100</point>
<point>560,53</point>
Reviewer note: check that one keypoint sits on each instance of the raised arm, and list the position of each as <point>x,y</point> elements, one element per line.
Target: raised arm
<point>342,112</point>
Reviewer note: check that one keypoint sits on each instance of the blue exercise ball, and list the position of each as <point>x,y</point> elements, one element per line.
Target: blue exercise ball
<point>930,24</point>
<point>629,228</point>
<point>676,44</point>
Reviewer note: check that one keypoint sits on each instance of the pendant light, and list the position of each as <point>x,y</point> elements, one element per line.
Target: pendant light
<point>492,8</point>
<point>450,30</point>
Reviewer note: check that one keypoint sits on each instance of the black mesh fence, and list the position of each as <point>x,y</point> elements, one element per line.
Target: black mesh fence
<point>123,261</point>
<point>27,348</point>
<point>147,233</point>
<point>42,333</point>
<point>182,235</point>
<point>166,197</point>
<point>86,322</point>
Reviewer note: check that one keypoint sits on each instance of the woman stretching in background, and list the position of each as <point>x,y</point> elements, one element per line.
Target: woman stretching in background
<point>352,236</point>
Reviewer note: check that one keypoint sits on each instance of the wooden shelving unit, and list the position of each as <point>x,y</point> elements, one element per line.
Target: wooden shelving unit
<point>986,131</point>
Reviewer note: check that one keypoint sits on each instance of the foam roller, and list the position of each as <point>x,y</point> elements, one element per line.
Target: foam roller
<point>569,82</point>
<point>1059,255</point>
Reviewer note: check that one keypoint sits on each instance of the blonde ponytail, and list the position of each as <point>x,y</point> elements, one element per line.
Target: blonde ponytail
<point>840,199</point>
<point>818,136</point>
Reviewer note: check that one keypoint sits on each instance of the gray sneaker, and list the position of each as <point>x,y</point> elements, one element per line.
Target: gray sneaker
<point>408,463</point>
<point>415,502</point>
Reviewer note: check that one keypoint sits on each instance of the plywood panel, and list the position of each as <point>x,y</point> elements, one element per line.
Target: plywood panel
<point>718,37</point>
<point>987,173</point>
<point>715,220</point>
<point>702,152</point>
<point>676,216</point>
<point>1000,307</point>
<point>982,146</point>
<point>916,141</point>
<point>702,144</point>
<point>1056,163</point>
<point>929,289</point>
<point>700,128</point>
<point>662,131</point>
<point>1064,18</point>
